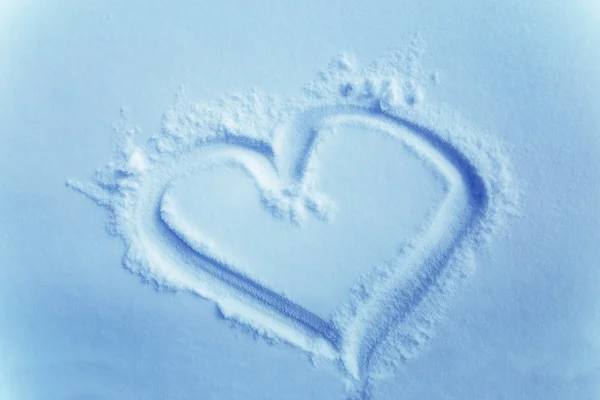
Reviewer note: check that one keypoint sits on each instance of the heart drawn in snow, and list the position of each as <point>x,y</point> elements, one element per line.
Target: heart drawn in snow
<point>339,228</point>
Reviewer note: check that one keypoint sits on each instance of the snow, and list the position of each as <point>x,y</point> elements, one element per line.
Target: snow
<point>414,220</point>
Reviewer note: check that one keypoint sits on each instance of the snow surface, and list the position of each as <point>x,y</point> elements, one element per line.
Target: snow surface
<point>343,201</point>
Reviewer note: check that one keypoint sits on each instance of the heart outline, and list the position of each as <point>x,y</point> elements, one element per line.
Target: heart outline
<point>247,305</point>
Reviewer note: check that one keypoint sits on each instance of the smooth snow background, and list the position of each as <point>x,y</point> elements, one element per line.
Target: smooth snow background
<point>74,324</point>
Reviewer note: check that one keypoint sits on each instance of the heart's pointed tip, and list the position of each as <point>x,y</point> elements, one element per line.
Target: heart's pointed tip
<point>356,389</point>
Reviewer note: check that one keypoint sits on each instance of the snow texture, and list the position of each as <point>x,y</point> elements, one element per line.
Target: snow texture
<point>299,200</point>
